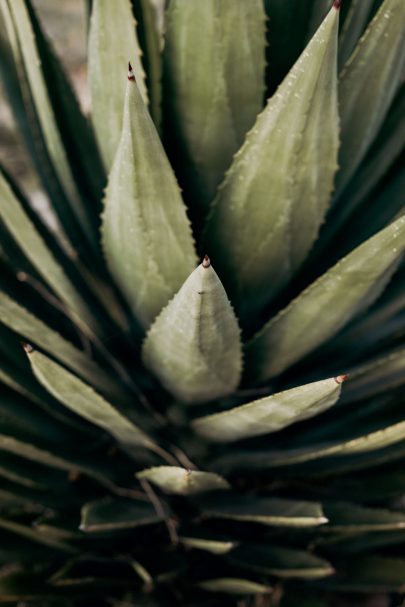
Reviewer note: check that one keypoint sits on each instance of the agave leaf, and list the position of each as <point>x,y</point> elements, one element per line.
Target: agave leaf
<point>362,445</point>
<point>214,72</point>
<point>112,43</point>
<point>194,345</point>
<point>320,311</point>
<point>146,235</point>
<point>279,184</point>
<point>265,511</point>
<point>234,586</point>
<point>353,26</point>
<point>179,481</point>
<point>367,85</point>
<point>83,400</point>
<point>212,546</point>
<point>34,536</point>
<point>358,519</point>
<point>35,249</point>
<point>271,413</point>
<point>31,53</point>
<point>364,542</point>
<point>114,514</point>
<point>24,323</point>
<point>151,40</point>
<point>282,562</point>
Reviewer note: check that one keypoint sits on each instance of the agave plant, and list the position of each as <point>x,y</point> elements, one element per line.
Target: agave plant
<point>202,389</point>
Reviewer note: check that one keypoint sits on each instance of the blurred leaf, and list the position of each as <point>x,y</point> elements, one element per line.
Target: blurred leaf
<point>234,586</point>
<point>34,536</point>
<point>194,345</point>
<point>40,77</point>
<point>367,85</point>
<point>320,311</point>
<point>371,574</point>
<point>214,81</point>
<point>83,400</point>
<point>35,249</point>
<point>112,43</point>
<point>358,519</point>
<point>179,481</point>
<point>265,511</point>
<point>282,562</point>
<point>279,185</point>
<point>146,235</point>
<point>269,414</point>
<point>353,27</point>
<point>111,515</point>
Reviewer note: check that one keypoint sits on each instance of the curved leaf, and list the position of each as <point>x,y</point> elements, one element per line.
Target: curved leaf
<point>179,481</point>
<point>282,562</point>
<point>112,43</point>
<point>194,345</point>
<point>113,514</point>
<point>320,311</point>
<point>271,413</point>
<point>83,400</point>
<point>368,83</point>
<point>265,511</point>
<point>279,185</point>
<point>353,26</point>
<point>214,78</point>
<point>146,235</point>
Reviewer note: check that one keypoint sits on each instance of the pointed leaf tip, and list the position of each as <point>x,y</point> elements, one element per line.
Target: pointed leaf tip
<point>27,347</point>
<point>206,262</point>
<point>341,378</point>
<point>337,4</point>
<point>131,75</point>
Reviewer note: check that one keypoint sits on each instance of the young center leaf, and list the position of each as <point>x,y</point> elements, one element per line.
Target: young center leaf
<point>271,413</point>
<point>214,74</point>
<point>269,208</point>
<point>112,41</point>
<point>194,345</point>
<point>320,311</point>
<point>146,234</point>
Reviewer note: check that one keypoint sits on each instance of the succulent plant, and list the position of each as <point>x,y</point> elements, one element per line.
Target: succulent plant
<point>202,388</point>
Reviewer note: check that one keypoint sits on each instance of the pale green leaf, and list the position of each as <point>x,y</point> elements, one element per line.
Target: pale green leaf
<point>234,586</point>
<point>35,331</point>
<point>179,481</point>
<point>269,208</point>
<point>26,53</point>
<point>320,311</point>
<point>282,562</point>
<point>112,43</point>
<point>113,514</point>
<point>265,511</point>
<point>35,249</point>
<point>214,73</point>
<point>146,235</point>
<point>269,414</point>
<point>83,400</point>
<point>212,546</point>
<point>368,83</point>
<point>194,345</point>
